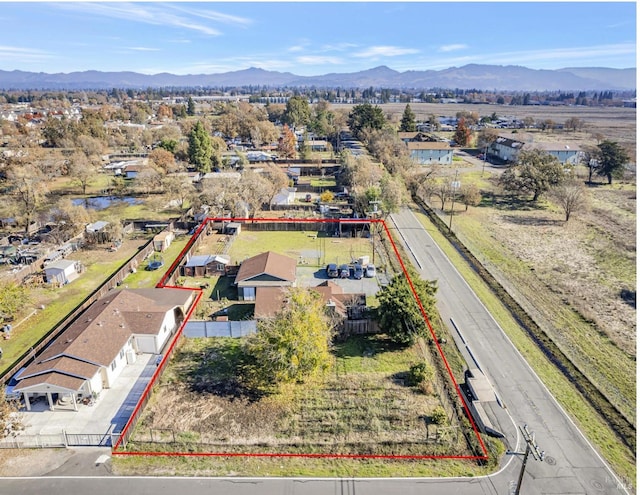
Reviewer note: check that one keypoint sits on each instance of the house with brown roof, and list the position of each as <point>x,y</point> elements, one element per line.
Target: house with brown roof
<point>268,269</point>
<point>92,352</point>
<point>340,306</point>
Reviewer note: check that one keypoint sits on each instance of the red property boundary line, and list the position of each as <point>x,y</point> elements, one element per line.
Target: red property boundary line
<point>147,390</point>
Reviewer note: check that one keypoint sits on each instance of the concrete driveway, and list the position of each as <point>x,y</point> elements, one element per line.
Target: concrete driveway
<point>312,276</point>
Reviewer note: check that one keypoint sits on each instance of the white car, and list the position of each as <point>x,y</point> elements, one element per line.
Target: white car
<point>370,271</point>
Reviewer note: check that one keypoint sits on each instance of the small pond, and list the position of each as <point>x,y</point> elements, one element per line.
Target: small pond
<point>103,202</point>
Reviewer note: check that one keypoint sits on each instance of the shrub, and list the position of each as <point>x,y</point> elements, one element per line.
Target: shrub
<point>439,416</point>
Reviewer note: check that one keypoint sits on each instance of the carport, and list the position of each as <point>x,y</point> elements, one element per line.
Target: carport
<point>60,385</point>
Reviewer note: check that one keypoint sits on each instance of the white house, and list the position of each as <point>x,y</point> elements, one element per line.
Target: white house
<point>286,196</point>
<point>94,350</point>
<point>62,271</point>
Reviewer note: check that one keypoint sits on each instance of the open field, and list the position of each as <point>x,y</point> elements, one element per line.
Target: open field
<point>308,247</point>
<point>577,279</point>
<point>364,406</point>
<point>616,123</point>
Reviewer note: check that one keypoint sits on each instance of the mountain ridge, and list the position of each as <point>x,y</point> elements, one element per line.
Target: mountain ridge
<point>470,76</point>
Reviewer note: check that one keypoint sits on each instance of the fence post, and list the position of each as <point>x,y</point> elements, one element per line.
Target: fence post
<point>65,439</point>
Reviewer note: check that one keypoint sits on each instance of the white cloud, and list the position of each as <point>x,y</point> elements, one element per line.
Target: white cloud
<point>142,49</point>
<point>567,56</point>
<point>319,59</point>
<point>452,48</point>
<point>214,16</point>
<point>384,51</point>
<point>19,53</point>
<point>337,47</point>
<point>144,13</point>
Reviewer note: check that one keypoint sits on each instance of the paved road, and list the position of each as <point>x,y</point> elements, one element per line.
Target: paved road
<point>571,466</point>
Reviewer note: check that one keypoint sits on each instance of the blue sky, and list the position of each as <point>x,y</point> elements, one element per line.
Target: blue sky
<point>313,38</point>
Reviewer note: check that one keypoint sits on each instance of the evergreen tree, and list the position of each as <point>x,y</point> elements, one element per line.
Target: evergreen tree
<point>399,315</point>
<point>191,107</point>
<point>200,148</point>
<point>611,160</point>
<point>408,122</point>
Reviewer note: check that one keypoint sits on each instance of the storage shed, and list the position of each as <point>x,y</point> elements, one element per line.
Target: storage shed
<point>62,272</point>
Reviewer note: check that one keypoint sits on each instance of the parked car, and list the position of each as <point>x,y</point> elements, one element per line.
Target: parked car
<point>358,271</point>
<point>344,271</point>
<point>332,270</point>
<point>370,271</point>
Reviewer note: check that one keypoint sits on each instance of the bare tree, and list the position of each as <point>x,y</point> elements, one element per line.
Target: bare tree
<point>28,190</point>
<point>470,195</point>
<point>82,171</point>
<point>276,180</point>
<point>442,191</point>
<point>571,196</point>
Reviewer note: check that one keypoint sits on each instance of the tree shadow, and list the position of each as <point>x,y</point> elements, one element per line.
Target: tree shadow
<point>629,297</point>
<point>502,202</point>
<point>533,221</point>
<point>218,371</point>
<point>365,346</point>
<point>223,289</point>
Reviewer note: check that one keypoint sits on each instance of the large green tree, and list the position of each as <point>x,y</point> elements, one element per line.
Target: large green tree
<point>535,172</point>
<point>365,117</point>
<point>200,148</point>
<point>408,122</point>
<point>398,312</point>
<point>297,112</point>
<point>13,298</point>
<point>293,346</point>
<point>611,160</point>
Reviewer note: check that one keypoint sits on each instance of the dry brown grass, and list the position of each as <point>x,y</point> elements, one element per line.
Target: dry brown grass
<point>577,279</point>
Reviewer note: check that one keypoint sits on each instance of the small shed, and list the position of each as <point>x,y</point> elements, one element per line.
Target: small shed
<point>232,228</point>
<point>62,272</point>
<point>206,264</point>
<point>163,240</point>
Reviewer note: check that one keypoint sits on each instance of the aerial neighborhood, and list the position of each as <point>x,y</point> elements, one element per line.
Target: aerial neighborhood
<point>231,271</point>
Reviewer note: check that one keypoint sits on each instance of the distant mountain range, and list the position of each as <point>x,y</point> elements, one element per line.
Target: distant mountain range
<point>473,76</point>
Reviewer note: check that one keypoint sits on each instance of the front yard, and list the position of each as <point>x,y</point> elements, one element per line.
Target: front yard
<point>363,407</point>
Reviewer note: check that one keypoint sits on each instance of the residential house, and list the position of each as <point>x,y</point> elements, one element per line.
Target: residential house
<point>62,272</point>
<point>431,152</point>
<point>505,149</point>
<point>204,265</point>
<point>286,196</point>
<point>340,306</point>
<point>565,153</point>
<point>268,269</point>
<point>426,149</point>
<point>93,351</point>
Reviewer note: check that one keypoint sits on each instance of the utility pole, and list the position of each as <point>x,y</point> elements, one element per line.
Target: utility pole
<point>531,449</point>
<point>373,214</point>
